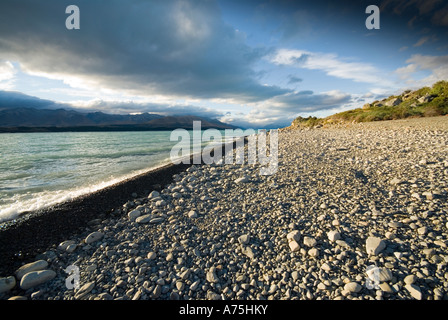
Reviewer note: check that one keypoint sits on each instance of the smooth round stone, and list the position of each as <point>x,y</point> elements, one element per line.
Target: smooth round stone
<point>352,287</point>
<point>65,244</point>
<point>180,285</point>
<point>309,241</point>
<point>35,278</point>
<point>374,245</point>
<point>395,224</point>
<point>410,279</point>
<point>192,214</point>
<point>29,267</point>
<point>211,276</point>
<point>321,286</point>
<point>242,180</point>
<point>151,255</point>
<point>160,203</point>
<point>294,246</point>
<point>84,290</point>
<point>293,236</point>
<point>177,195</point>
<point>71,248</point>
<point>314,252</point>
<point>244,239</point>
<point>295,275</point>
<point>18,298</point>
<point>422,230</point>
<point>7,283</point>
<point>144,219</point>
<point>333,235</point>
<point>93,237</point>
<point>414,290</point>
<point>134,214</point>
<point>386,287</point>
<point>154,194</point>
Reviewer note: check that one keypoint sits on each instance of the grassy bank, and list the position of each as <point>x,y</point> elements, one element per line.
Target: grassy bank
<point>424,102</point>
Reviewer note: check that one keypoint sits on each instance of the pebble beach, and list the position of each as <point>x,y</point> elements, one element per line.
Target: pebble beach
<point>354,212</point>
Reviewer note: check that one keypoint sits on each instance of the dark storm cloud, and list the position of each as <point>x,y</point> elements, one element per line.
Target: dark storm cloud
<point>298,20</point>
<point>427,17</point>
<point>428,14</point>
<point>165,47</point>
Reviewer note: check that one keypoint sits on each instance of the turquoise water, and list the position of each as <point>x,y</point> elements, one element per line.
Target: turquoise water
<point>43,169</point>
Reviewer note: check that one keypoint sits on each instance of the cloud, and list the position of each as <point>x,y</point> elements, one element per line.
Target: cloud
<point>400,6</point>
<point>330,63</point>
<point>425,39</point>
<point>276,112</point>
<point>440,17</point>
<point>180,48</point>
<point>424,14</point>
<point>421,41</point>
<point>7,73</point>
<point>406,71</point>
<point>436,65</point>
<point>281,110</point>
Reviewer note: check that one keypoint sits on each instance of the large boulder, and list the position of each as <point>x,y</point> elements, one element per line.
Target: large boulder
<point>393,102</point>
<point>426,98</point>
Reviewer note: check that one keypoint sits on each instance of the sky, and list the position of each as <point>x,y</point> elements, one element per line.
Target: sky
<point>252,63</point>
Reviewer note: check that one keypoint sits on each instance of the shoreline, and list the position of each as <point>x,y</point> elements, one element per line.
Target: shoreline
<point>34,231</point>
<point>356,213</point>
<point>22,238</point>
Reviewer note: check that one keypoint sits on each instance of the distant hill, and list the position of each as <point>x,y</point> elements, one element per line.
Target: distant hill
<point>22,113</point>
<point>32,117</point>
<point>186,122</point>
<point>424,102</point>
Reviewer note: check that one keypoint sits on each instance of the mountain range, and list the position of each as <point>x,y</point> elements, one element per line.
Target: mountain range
<point>23,113</point>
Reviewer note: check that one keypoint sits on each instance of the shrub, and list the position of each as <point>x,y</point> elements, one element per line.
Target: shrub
<point>307,122</point>
<point>440,89</point>
<point>409,108</point>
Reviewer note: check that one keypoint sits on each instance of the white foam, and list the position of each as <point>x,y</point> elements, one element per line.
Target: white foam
<point>25,202</point>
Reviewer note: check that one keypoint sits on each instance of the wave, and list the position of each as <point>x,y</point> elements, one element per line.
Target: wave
<point>34,201</point>
<point>45,176</point>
